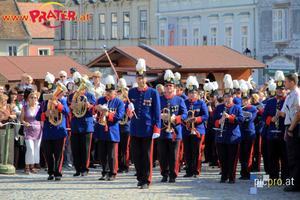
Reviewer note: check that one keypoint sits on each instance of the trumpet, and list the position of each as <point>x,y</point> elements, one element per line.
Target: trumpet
<point>167,116</point>
<point>80,109</point>
<point>102,120</point>
<point>191,125</point>
<point>55,117</point>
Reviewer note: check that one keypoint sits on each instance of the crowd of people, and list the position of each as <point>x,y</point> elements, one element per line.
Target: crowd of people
<point>76,123</point>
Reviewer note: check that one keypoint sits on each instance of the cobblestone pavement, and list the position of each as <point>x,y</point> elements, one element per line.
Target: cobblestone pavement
<point>35,186</point>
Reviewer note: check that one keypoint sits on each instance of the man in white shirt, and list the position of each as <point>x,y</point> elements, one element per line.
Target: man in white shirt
<point>63,78</point>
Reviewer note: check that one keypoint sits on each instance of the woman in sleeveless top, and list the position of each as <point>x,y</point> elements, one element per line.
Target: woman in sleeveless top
<point>32,132</point>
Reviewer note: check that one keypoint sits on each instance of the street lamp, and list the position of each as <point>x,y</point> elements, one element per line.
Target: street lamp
<point>247,51</point>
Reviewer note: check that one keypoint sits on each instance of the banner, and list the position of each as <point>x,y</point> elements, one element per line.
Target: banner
<point>172,31</point>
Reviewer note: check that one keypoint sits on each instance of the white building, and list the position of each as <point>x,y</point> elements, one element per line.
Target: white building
<point>112,23</point>
<point>233,23</point>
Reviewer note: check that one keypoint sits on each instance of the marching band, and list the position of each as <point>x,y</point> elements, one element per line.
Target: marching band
<point>230,126</point>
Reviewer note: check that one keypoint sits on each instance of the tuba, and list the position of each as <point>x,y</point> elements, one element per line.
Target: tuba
<point>123,97</point>
<point>167,121</point>
<point>56,118</point>
<point>190,125</point>
<point>80,109</point>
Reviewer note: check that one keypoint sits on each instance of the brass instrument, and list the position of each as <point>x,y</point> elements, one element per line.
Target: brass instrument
<point>55,117</point>
<point>167,121</point>
<point>191,125</point>
<point>80,109</point>
<point>277,121</point>
<point>102,120</point>
<point>123,97</point>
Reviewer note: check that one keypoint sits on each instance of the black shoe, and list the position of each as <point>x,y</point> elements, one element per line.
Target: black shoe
<point>144,186</point>
<point>76,174</point>
<point>92,166</point>
<point>85,173</point>
<point>50,177</point>
<point>291,188</point>
<point>139,183</point>
<point>205,161</point>
<point>135,174</point>
<point>196,176</point>
<point>122,171</point>
<point>164,179</point>
<point>57,178</point>
<point>111,178</point>
<point>103,178</point>
<point>172,180</point>
<point>185,168</point>
<point>222,181</point>
<point>231,181</point>
<point>155,164</point>
<point>188,175</point>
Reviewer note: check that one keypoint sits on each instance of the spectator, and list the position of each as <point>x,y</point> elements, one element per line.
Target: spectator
<point>28,82</point>
<point>7,87</point>
<point>261,96</point>
<point>72,70</point>
<point>1,89</point>
<point>99,88</point>
<point>160,89</point>
<point>22,83</point>
<point>44,90</point>
<point>63,78</point>
<point>32,132</point>
<point>5,116</point>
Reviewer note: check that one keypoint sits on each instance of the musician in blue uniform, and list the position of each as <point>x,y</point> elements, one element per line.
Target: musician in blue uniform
<point>124,130</point>
<point>54,136</point>
<point>236,93</point>
<point>228,117</point>
<point>109,110</point>
<point>194,132</point>
<point>173,113</point>
<point>145,125</point>
<point>248,134</point>
<point>179,86</point>
<point>276,144</point>
<point>81,127</point>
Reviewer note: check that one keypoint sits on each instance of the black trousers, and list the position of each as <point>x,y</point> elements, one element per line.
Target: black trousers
<point>142,152</point>
<point>192,151</point>
<point>246,150</point>
<point>81,146</point>
<point>293,153</point>
<point>210,147</point>
<point>276,151</point>
<point>53,151</point>
<point>155,157</point>
<point>108,151</point>
<point>265,154</point>
<point>168,157</point>
<point>228,157</point>
<point>256,159</point>
<point>93,151</point>
<point>124,151</point>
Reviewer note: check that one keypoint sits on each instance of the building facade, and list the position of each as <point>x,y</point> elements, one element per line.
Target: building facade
<point>233,23</point>
<point>279,34</point>
<point>111,23</point>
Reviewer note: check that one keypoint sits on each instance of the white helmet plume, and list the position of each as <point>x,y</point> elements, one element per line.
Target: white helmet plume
<point>109,80</point>
<point>49,78</point>
<point>244,88</point>
<point>177,76</point>
<point>168,74</point>
<point>279,76</point>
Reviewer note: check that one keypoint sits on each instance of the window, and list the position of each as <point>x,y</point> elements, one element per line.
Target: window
<point>213,36</point>
<point>143,24</point>
<point>184,37</point>
<point>62,29</point>
<point>245,38</point>
<point>74,30</point>
<point>114,29</point>
<point>90,28</point>
<point>12,50</point>
<point>228,36</point>
<point>204,40</point>
<point>280,25</point>
<point>43,52</point>
<point>196,36</point>
<point>126,25</point>
<point>101,26</point>
<point>162,37</point>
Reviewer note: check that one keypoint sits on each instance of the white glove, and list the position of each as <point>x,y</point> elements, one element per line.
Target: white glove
<point>105,107</point>
<point>131,106</point>
<point>155,135</point>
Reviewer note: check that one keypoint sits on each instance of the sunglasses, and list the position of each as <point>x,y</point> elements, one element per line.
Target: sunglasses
<point>96,77</point>
<point>33,97</point>
<point>62,76</point>
<point>168,85</point>
<point>14,93</point>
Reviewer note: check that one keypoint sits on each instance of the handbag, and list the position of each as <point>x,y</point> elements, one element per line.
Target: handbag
<point>21,131</point>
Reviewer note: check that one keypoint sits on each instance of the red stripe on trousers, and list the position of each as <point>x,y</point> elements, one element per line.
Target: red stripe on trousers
<point>151,162</point>
<point>199,157</point>
<point>116,159</point>
<point>251,157</point>
<point>180,153</point>
<point>88,162</point>
<point>127,153</point>
<point>177,163</point>
<point>235,162</point>
<point>259,155</point>
<point>62,156</point>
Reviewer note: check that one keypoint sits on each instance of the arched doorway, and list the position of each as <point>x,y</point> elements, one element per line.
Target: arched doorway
<point>211,77</point>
